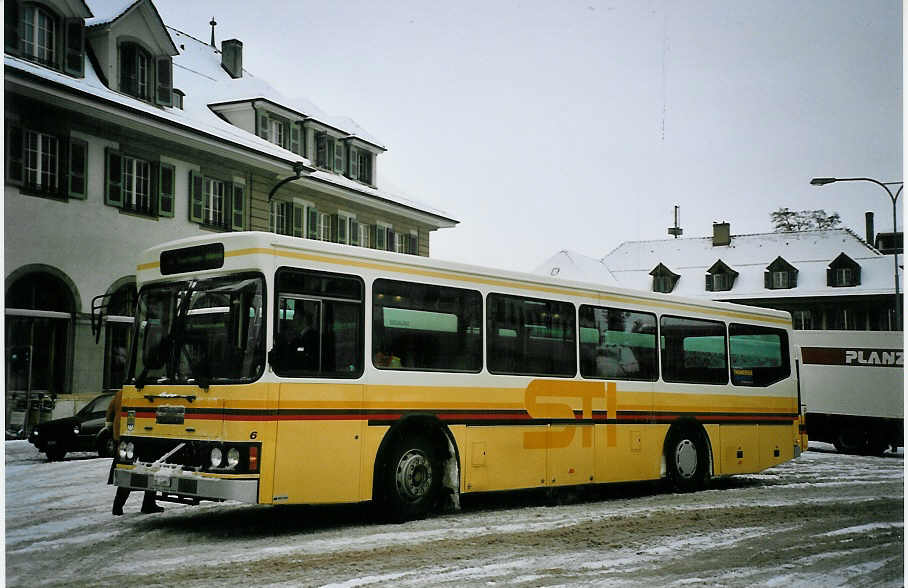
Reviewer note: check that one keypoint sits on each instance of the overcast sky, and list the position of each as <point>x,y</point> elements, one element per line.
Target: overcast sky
<point>545,125</point>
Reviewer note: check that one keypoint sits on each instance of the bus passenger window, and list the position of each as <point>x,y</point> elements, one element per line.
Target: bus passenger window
<point>759,355</point>
<point>617,344</point>
<point>531,337</point>
<point>426,327</point>
<point>693,351</point>
<point>319,325</point>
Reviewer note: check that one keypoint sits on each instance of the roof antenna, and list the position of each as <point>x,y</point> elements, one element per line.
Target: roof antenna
<point>676,231</point>
<point>213,24</point>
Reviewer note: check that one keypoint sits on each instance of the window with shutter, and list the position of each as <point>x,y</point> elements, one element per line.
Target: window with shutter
<point>11,27</point>
<point>238,216</point>
<point>354,163</point>
<point>78,159</point>
<point>321,149</point>
<point>324,226</point>
<point>329,153</point>
<point>135,71</point>
<point>298,212</point>
<point>164,93</point>
<point>380,237</point>
<point>166,179</point>
<point>338,157</point>
<point>262,128</point>
<point>74,61</point>
<point>38,34</point>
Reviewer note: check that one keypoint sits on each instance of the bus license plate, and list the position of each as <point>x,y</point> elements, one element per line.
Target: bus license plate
<point>163,481</point>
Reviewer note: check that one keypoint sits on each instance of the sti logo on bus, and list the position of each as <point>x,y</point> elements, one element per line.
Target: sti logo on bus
<point>561,414</point>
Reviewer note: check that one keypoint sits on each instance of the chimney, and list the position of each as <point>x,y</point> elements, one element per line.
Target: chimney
<point>721,234</point>
<point>868,220</point>
<point>232,57</point>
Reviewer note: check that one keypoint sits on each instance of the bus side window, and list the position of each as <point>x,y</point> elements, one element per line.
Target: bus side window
<point>759,355</point>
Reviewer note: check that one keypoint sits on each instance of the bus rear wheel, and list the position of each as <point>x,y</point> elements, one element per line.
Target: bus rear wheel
<point>412,480</point>
<point>686,458</point>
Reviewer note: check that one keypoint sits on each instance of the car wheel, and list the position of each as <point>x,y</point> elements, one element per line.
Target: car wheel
<point>55,454</point>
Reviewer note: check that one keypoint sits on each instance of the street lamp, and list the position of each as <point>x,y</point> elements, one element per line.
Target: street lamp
<point>894,198</point>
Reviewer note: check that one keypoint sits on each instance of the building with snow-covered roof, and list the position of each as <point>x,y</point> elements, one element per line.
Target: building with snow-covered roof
<point>827,279</point>
<point>122,133</point>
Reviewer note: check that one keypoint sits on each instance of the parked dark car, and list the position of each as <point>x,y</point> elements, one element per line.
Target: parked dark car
<point>83,432</point>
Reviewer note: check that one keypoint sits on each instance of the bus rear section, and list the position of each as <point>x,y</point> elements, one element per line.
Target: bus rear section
<point>853,385</point>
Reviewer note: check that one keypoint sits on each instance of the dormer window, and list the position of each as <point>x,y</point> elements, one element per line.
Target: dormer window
<point>361,165</point>
<point>780,275</point>
<point>664,279</point>
<point>720,277</point>
<point>843,272</point>
<point>135,71</point>
<point>39,34</point>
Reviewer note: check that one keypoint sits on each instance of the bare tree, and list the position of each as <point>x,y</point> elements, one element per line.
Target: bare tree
<point>785,220</point>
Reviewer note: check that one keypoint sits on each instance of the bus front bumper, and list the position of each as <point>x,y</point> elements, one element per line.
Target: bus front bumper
<point>174,480</point>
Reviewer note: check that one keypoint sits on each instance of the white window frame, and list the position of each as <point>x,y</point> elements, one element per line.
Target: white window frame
<point>41,159</point>
<point>136,186</point>
<point>213,201</point>
<point>41,22</point>
<point>844,276</point>
<point>276,131</point>
<point>720,282</point>
<point>780,279</point>
<point>338,156</point>
<point>343,220</point>
<point>363,235</point>
<point>324,226</point>
<point>381,235</point>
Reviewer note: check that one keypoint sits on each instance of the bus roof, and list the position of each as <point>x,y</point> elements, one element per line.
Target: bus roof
<point>270,244</point>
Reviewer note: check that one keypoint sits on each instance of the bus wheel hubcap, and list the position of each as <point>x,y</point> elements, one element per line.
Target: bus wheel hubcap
<point>414,475</point>
<point>686,458</point>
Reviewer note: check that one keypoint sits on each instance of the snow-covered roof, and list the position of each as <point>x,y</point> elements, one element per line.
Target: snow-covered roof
<point>569,265</point>
<point>810,252</point>
<point>198,74</point>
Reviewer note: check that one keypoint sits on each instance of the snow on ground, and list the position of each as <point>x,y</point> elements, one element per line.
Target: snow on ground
<point>824,518</point>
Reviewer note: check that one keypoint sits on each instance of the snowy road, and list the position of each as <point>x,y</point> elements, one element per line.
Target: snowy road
<point>823,519</point>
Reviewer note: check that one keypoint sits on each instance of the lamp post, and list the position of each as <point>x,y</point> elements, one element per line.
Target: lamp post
<point>894,198</point>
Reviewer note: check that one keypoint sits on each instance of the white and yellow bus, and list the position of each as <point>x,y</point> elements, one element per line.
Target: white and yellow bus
<point>273,370</point>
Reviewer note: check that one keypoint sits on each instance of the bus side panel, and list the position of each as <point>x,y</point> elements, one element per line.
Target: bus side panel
<point>496,458</point>
<point>776,445</point>
<point>318,457</point>
<point>739,453</point>
<point>630,453</point>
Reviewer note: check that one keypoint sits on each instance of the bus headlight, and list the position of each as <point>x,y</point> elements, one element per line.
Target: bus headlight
<point>121,449</point>
<point>233,457</point>
<point>130,450</point>
<point>216,457</point>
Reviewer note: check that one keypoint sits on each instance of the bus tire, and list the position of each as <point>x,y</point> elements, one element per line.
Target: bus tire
<point>412,480</point>
<point>686,458</point>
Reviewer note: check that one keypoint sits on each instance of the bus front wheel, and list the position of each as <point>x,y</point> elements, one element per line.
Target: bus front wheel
<point>686,458</point>
<point>412,480</point>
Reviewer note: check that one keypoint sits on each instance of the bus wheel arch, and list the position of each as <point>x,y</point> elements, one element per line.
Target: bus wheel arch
<point>415,447</point>
<point>688,456</point>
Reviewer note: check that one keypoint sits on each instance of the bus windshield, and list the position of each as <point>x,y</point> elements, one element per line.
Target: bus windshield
<point>200,332</point>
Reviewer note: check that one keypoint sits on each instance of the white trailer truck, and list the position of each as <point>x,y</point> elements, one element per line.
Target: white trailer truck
<point>853,385</point>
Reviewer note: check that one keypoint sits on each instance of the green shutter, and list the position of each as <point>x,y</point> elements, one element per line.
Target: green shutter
<point>166,180</point>
<point>354,233</point>
<point>311,223</point>
<point>374,231</point>
<point>164,77</point>
<point>11,27</point>
<point>332,229</point>
<point>298,212</point>
<point>271,216</point>
<point>389,240</point>
<point>113,178</point>
<point>709,282</point>
<point>262,130</point>
<point>295,138</point>
<point>354,164</point>
<point>15,172</point>
<point>74,60</point>
<point>239,208</point>
<point>196,195</point>
<point>413,244</point>
<point>78,161</point>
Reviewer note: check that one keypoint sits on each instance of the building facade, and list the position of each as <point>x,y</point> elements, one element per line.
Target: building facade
<point>827,279</point>
<point>120,133</point>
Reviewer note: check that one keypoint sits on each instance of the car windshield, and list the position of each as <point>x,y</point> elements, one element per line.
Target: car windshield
<point>200,332</point>
<point>99,404</point>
